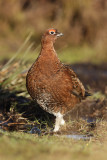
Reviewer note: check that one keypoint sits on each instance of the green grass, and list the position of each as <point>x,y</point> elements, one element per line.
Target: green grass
<point>21,146</point>
<point>69,55</point>
<point>24,146</point>
<point>78,54</point>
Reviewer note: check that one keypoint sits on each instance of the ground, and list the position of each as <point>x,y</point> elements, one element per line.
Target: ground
<point>19,114</point>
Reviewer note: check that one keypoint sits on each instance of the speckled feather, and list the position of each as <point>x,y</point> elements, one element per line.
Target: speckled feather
<point>54,86</point>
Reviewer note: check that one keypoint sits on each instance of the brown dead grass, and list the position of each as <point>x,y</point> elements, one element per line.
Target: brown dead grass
<point>80,21</point>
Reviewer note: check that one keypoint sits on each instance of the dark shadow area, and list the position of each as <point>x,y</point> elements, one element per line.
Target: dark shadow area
<point>11,105</point>
<point>89,109</point>
<point>94,76</point>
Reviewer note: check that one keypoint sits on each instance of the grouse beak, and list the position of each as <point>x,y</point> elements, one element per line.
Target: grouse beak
<point>59,34</point>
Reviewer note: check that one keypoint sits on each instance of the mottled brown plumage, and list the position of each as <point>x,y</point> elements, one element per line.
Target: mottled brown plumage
<point>53,85</point>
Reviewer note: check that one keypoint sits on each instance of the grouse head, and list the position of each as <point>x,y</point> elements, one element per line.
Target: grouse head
<point>51,35</point>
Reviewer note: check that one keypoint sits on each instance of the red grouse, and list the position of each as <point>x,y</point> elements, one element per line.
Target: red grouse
<point>53,85</point>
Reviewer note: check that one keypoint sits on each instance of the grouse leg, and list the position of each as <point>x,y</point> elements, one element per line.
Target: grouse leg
<point>59,121</point>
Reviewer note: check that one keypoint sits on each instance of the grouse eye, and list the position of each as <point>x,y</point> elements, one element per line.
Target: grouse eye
<point>52,32</point>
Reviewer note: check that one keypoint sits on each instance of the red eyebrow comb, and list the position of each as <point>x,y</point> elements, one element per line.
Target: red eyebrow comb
<point>51,30</point>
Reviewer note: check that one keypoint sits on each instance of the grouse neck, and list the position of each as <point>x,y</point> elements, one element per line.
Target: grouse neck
<point>47,44</point>
<point>48,50</point>
<point>48,60</point>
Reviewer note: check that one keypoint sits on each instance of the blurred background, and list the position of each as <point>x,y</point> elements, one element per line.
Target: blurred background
<point>83,22</point>
<point>83,47</point>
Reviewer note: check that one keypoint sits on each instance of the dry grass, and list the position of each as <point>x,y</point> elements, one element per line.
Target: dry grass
<point>81,22</point>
